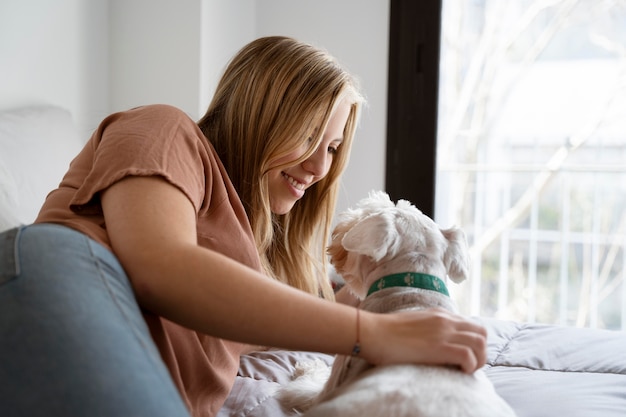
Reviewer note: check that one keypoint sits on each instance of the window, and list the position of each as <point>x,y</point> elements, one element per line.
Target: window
<point>531,155</point>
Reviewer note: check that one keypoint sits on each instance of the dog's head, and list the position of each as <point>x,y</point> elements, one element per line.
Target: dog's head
<point>392,238</point>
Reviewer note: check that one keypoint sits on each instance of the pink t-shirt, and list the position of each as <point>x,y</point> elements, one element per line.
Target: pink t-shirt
<point>162,140</point>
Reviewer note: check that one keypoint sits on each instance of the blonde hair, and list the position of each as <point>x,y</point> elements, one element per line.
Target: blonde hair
<point>276,94</point>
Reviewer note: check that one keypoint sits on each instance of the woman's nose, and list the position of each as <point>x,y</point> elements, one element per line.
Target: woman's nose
<point>318,163</point>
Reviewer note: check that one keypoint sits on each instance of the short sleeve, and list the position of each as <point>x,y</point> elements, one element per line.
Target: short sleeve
<point>151,140</point>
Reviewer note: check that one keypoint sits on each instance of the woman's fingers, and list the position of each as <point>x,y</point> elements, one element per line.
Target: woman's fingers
<point>431,336</point>
<point>468,351</point>
<point>458,342</point>
<point>472,338</point>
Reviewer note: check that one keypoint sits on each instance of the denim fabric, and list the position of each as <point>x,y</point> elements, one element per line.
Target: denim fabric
<point>73,341</point>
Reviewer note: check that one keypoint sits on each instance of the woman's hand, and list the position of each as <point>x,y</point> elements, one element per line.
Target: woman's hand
<point>432,336</point>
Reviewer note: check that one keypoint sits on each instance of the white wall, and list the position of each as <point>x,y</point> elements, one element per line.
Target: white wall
<point>165,51</point>
<point>155,52</point>
<point>95,57</point>
<point>227,25</point>
<point>55,52</point>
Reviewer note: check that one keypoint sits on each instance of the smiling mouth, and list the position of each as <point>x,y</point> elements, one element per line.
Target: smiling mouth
<point>297,185</point>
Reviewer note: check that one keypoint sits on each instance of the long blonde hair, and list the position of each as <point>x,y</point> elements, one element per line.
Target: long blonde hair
<point>276,94</point>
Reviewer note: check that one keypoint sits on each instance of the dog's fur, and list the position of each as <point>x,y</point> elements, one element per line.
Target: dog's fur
<point>376,239</point>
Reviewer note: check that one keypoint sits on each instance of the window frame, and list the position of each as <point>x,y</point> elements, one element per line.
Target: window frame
<point>412,101</point>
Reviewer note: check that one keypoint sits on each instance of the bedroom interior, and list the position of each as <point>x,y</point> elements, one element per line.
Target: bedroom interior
<point>66,64</point>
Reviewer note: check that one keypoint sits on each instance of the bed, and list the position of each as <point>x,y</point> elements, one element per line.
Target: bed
<point>541,370</point>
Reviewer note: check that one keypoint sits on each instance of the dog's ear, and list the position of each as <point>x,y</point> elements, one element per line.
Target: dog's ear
<point>374,236</point>
<point>456,257</point>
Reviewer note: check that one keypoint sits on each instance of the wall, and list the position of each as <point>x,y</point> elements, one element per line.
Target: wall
<point>155,52</point>
<point>227,25</point>
<point>55,52</point>
<point>95,57</point>
<point>165,51</point>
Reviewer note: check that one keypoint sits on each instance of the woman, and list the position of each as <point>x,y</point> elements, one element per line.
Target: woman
<point>178,225</point>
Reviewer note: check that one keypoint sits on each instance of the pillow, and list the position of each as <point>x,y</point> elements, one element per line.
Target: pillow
<point>8,199</point>
<point>36,146</point>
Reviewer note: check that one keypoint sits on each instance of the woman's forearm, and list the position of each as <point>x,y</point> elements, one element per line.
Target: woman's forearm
<point>224,298</point>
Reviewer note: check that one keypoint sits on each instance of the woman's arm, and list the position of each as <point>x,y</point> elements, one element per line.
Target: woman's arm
<point>152,228</point>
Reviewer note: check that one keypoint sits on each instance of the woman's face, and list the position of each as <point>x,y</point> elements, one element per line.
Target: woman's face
<point>288,185</point>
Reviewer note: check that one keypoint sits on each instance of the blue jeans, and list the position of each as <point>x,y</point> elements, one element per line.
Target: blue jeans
<point>73,341</point>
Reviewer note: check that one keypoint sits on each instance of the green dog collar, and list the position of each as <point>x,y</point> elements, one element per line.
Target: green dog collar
<point>410,279</point>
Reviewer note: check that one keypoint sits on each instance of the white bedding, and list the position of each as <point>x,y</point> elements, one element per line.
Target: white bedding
<point>541,370</point>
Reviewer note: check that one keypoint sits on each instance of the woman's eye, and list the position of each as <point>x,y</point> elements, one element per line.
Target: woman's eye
<point>332,150</point>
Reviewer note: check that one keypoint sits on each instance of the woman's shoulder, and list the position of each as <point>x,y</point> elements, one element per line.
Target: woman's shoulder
<point>152,120</point>
<point>159,111</point>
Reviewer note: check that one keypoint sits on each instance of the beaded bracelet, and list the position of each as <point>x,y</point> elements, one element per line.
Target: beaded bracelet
<point>357,345</point>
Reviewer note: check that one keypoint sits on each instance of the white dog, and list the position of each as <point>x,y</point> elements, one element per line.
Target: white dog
<point>394,258</point>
